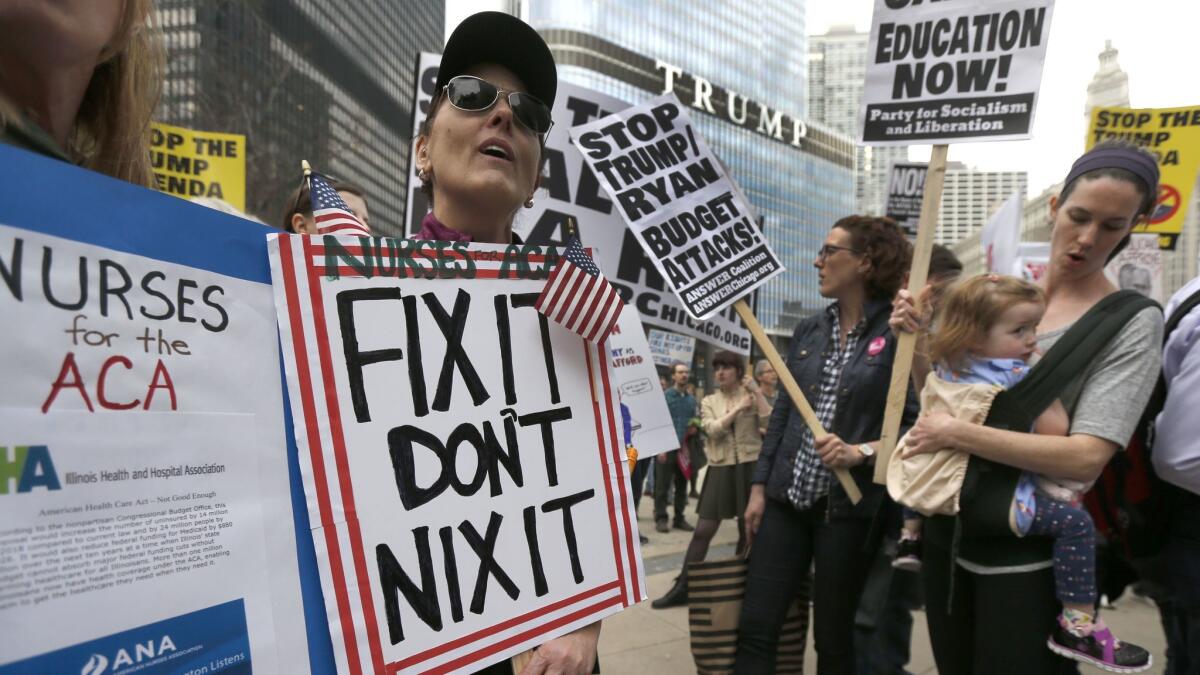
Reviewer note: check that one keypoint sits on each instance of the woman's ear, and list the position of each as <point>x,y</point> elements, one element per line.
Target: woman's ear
<point>300,224</point>
<point>422,153</point>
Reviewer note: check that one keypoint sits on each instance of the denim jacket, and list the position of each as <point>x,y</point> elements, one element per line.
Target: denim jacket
<point>860,406</point>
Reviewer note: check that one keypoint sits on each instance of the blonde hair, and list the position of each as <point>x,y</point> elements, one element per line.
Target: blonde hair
<point>112,128</point>
<point>111,134</point>
<point>969,310</point>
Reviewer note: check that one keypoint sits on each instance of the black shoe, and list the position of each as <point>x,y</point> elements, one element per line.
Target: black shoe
<point>675,597</point>
<point>644,539</point>
<point>661,526</point>
<point>694,495</point>
<point>681,524</point>
<point>1121,657</point>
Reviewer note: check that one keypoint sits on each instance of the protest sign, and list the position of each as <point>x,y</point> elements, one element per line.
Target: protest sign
<point>142,442</point>
<point>674,194</point>
<point>1139,267</point>
<point>670,348</point>
<point>950,72</point>
<point>1032,260</point>
<point>571,199</point>
<point>637,382</point>
<point>1173,135</point>
<point>906,186</point>
<point>466,480</point>
<point>691,219</point>
<point>190,163</point>
<point>1001,235</point>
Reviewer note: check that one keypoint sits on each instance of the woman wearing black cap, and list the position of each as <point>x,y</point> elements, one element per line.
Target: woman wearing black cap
<point>479,157</point>
<point>991,608</point>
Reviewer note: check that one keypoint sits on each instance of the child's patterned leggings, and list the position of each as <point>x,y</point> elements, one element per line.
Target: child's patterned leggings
<point>1074,537</point>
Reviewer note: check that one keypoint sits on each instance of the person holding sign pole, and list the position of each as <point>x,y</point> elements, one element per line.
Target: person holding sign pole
<point>479,156</point>
<point>80,83</point>
<point>991,604</point>
<point>797,516</point>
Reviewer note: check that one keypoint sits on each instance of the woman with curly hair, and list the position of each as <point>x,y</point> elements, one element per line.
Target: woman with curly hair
<point>80,80</point>
<point>797,516</point>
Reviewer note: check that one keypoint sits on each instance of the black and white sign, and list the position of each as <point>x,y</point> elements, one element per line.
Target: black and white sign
<point>691,218</point>
<point>570,191</point>
<point>906,189</point>
<point>950,72</point>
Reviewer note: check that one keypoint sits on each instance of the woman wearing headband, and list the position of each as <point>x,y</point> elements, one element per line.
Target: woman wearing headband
<point>479,156</point>
<point>990,609</point>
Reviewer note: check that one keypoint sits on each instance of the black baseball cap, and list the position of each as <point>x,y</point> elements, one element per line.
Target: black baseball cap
<point>503,39</point>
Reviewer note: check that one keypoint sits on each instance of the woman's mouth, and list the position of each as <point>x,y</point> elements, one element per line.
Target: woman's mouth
<point>495,147</point>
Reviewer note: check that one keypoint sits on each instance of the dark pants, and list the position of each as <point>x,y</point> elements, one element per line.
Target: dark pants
<point>997,624</point>
<point>1181,610</point>
<point>665,474</point>
<point>638,478</point>
<point>884,622</point>
<point>787,543</point>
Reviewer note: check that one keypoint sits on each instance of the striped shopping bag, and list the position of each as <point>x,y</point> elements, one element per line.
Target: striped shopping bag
<point>715,591</point>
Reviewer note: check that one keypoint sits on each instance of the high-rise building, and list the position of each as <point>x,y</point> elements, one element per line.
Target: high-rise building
<point>837,64</point>
<point>969,197</point>
<point>1110,84</point>
<point>740,66</point>
<point>303,79</point>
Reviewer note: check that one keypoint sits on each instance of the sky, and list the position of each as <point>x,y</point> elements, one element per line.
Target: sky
<point>1157,41</point>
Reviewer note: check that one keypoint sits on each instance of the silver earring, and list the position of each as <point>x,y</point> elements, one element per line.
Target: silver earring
<point>423,175</point>
<point>529,203</point>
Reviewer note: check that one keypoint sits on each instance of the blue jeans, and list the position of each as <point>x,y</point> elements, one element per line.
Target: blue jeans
<point>787,543</point>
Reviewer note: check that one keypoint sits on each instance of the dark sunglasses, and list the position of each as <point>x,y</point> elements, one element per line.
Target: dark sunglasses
<point>472,94</point>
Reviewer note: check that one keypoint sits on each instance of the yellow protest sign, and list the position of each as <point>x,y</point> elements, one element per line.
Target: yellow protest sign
<point>189,163</point>
<point>1173,135</point>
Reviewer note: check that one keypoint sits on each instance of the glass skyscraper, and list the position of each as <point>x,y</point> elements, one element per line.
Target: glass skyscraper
<point>303,79</point>
<point>741,66</point>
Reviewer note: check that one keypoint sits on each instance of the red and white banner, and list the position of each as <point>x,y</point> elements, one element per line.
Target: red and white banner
<point>462,461</point>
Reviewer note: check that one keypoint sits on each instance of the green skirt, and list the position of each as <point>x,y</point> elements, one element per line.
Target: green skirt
<point>726,491</point>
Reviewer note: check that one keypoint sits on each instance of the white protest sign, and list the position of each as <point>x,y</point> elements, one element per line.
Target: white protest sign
<point>1001,235</point>
<point>690,216</point>
<point>670,348</point>
<point>1139,267</point>
<point>951,72</point>
<point>639,388</point>
<point>569,190</point>
<point>1031,261</point>
<point>462,457</point>
<point>906,187</point>
<point>142,440</point>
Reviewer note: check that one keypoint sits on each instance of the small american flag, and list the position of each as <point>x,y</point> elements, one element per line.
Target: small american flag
<point>579,298</point>
<point>330,211</point>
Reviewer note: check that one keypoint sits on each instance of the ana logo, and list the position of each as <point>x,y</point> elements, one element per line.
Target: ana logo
<point>95,665</point>
<point>123,658</point>
<point>29,466</point>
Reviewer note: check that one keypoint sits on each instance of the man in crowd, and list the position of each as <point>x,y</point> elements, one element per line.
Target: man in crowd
<point>1176,455</point>
<point>666,466</point>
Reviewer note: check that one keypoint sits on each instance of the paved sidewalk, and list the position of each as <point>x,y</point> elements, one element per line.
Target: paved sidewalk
<point>644,640</point>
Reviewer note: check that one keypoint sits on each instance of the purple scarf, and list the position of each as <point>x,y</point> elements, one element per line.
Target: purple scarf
<point>432,228</point>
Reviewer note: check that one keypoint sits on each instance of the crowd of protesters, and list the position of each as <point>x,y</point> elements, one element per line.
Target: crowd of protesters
<point>1019,598</point>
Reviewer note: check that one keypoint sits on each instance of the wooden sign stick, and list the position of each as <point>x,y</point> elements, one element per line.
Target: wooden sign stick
<point>793,390</point>
<point>902,365</point>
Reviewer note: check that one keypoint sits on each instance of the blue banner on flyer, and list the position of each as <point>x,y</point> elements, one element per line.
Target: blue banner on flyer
<point>212,640</point>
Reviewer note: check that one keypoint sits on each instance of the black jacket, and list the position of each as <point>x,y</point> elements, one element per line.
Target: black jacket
<point>858,418</point>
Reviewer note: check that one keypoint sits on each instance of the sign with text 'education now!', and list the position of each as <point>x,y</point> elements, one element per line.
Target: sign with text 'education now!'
<point>690,217</point>
<point>952,72</point>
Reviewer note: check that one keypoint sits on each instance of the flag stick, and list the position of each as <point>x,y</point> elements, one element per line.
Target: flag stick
<point>793,390</point>
<point>907,342</point>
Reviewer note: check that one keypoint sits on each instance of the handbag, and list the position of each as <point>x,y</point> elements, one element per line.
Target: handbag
<point>716,589</point>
